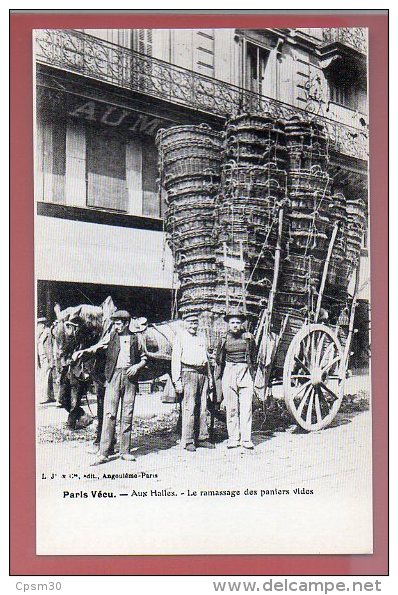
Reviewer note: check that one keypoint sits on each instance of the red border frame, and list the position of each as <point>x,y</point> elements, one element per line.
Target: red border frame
<point>22,443</point>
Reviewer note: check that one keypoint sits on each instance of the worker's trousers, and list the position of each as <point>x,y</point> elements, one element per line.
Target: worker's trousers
<point>194,422</point>
<point>119,388</point>
<point>237,388</point>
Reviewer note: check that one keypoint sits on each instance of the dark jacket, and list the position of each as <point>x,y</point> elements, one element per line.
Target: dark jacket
<point>113,351</point>
<point>251,360</point>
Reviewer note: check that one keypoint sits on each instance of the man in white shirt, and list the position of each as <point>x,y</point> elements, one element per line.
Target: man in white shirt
<point>190,373</point>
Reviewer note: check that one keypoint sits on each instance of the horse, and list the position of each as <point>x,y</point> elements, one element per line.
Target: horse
<point>79,327</point>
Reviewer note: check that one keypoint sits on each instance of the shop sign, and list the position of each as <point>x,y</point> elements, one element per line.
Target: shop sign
<point>115,117</point>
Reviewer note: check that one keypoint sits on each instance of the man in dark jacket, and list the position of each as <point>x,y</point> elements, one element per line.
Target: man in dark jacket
<point>236,357</point>
<point>45,363</point>
<point>124,360</point>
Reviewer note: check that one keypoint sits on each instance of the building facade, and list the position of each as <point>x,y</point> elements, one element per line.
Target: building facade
<point>101,97</point>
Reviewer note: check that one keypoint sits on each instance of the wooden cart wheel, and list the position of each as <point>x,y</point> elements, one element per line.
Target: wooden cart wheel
<point>313,376</point>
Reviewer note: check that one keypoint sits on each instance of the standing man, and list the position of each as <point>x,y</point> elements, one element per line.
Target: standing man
<point>124,360</point>
<point>45,362</point>
<point>191,376</point>
<point>74,380</point>
<point>236,357</point>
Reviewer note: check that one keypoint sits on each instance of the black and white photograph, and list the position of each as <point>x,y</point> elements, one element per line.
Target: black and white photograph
<point>203,315</point>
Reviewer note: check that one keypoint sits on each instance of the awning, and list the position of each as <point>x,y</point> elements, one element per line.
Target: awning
<point>82,252</point>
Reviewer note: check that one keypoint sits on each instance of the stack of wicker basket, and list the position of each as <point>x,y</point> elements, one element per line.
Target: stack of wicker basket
<point>308,216</point>
<point>224,195</point>
<point>189,163</point>
<point>254,139</point>
<point>253,185</point>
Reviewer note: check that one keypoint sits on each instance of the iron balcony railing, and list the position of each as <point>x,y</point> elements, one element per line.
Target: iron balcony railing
<point>95,58</point>
<point>354,37</point>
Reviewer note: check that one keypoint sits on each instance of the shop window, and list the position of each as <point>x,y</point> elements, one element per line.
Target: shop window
<point>106,170</point>
<point>150,198</point>
<point>256,65</point>
<point>51,160</point>
<point>108,185</point>
<point>59,160</point>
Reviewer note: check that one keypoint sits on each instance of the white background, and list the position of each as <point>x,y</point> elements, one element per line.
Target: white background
<point>203,585</point>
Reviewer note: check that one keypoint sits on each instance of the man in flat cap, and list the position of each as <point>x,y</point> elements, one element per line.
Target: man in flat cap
<point>236,356</point>
<point>124,359</point>
<point>190,373</point>
<point>45,362</point>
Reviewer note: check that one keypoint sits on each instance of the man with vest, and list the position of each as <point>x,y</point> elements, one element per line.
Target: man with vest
<point>236,356</point>
<point>124,360</point>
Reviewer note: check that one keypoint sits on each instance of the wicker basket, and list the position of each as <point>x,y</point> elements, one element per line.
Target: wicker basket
<point>205,182</point>
<point>186,151</point>
<point>191,166</point>
<point>191,134</point>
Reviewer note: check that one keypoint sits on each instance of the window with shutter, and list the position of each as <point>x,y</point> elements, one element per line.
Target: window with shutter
<point>347,84</point>
<point>106,169</point>
<point>145,41</point>
<point>142,69</point>
<point>204,51</point>
<point>256,66</point>
<point>343,93</point>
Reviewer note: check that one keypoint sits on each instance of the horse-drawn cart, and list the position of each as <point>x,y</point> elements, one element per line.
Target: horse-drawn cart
<point>280,242</point>
<point>307,355</point>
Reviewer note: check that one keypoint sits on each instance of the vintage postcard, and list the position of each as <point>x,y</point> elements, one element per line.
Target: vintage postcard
<point>203,343</point>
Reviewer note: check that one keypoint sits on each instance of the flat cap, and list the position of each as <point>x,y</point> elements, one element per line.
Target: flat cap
<point>42,319</point>
<point>121,315</point>
<point>190,316</point>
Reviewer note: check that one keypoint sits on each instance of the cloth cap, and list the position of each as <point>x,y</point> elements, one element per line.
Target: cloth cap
<point>235,314</point>
<point>121,315</point>
<point>190,317</point>
<point>42,319</point>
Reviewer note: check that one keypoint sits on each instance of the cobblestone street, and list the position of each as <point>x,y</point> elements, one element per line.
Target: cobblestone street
<point>327,459</point>
<point>332,457</point>
<point>323,477</point>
